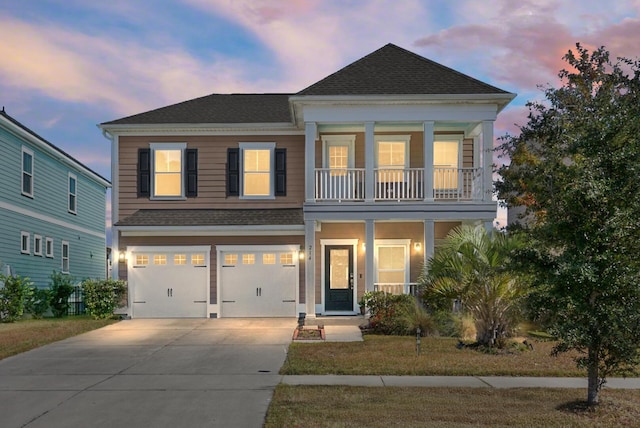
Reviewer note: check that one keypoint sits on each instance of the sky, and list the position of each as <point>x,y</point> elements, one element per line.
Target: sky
<point>68,65</point>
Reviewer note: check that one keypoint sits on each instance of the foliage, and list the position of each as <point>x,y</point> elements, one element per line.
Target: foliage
<point>471,266</point>
<point>574,174</point>
<point>366,298</point>
<point>418,317</point>
<point>61,289</point>
<point>14,291</point>
<point>389,312</point>
<point>102,297</point>
<point>38,302</point>
<point>454,324</point>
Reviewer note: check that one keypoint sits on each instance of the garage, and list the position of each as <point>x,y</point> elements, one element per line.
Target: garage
<point>169,282</point>
<point>258,281</point>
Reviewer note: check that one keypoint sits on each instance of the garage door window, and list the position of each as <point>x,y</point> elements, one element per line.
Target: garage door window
<point>248,259</point>
<point>268,259</point>
<point>197,259</point>
<point>142,259</point>
<point>230,259</point>
<point>286,258</point>
<point>159,259</point>
<point>180,259</point>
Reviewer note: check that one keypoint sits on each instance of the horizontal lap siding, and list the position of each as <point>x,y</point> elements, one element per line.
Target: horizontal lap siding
<point>212,158</point>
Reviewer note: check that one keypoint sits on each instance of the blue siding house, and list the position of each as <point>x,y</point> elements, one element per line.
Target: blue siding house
<point>52,209</point>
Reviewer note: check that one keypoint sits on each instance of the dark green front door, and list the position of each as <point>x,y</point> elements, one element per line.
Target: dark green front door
<point>338,277</point>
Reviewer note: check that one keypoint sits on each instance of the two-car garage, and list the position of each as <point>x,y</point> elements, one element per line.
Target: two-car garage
<point>175,281</point>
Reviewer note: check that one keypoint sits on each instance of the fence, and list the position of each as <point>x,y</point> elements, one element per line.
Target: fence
<point>76,303</point>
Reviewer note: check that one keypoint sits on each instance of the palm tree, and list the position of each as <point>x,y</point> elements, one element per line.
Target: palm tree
<point>470,266</point>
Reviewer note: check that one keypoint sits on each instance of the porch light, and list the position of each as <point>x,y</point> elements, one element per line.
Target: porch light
<point>417,246</point>
<point>364,246</point>
<point>121,256</point>
<point>301,255</point>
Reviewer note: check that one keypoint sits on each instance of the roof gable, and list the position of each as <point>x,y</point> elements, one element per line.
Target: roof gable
<point>392,70</point>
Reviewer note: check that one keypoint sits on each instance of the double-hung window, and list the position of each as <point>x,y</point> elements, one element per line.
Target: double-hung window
<point>25,247</point>
<point>49,247</point>
<point>73,193</point>
<point>37,245</point>
<point>65,257</point>
<point>446,161</point>
<point>256,171</point>
<point>167,171</point>
<point>27,172</point>
<point>392,156</point>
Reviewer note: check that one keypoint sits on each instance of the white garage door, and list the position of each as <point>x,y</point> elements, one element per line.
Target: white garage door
<point>258,281</point>
<point>169,282</point>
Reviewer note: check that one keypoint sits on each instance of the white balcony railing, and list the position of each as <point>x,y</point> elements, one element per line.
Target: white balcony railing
<point>397,288</point>
<point>449,184</point>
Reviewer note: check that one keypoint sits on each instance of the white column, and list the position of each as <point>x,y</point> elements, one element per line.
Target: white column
<point>429,239</point>
<point>369,160</point>
<point>488,225</point>
<point>310,133</point>
<point>428,128</point>
<point>369,231</point>
<point>487,159</point>
<point>310,268</point>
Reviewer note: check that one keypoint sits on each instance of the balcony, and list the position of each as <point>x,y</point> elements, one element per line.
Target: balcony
<point>398,185</point>
<point>397,288</point>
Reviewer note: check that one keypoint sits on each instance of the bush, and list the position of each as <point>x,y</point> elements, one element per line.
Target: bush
<point>38,302</point>
<point>418,317</point>
<point>14,291</point>
<point>390,313</point>
<point>102,297</point>
<point>61,289</point>
<point>454,324</point>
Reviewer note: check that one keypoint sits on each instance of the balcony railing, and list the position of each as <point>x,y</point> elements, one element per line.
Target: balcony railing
<point>348,184</point>
<point>397,288</point>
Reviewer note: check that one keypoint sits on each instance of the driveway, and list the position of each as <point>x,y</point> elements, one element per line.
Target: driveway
<point>149,373</point>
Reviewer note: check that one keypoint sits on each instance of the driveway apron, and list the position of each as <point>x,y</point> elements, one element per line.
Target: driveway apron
<point>149,373</point>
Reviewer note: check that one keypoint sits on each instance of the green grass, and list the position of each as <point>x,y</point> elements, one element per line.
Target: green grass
<point>24,335</point>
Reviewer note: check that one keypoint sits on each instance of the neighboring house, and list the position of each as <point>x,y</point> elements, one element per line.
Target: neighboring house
<point>258,205</point>
<point>52,209</point>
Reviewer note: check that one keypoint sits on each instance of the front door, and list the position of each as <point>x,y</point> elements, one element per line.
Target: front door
<point>338,277</point>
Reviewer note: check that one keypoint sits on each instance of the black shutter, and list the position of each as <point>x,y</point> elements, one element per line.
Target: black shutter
<point>281,172</point>
<point>144,173</point>
<point>191,181</point>
<point>233,172</point>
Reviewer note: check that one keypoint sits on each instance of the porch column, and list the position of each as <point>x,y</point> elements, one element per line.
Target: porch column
<point>369,161</point>
<point>310,134</point>
<point>429,239</point>
<point>488,225</point>
<point>487,159</point>
<point>310,268</point>
<point>428,128</point>
<point>369,232</point>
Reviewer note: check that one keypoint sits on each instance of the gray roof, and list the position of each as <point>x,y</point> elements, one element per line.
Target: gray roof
<point>204,217</point>
<point>392,70</point>
<point>218,108</point>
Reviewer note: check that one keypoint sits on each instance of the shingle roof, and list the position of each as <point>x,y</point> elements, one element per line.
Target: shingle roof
<point>392,70</point>
<point>204,217</point>
<point>218,108</point>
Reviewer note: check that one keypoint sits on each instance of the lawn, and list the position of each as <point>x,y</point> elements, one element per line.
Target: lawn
<point>24,335</point>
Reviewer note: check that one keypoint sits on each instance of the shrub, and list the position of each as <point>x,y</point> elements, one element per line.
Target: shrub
<point>61,289</point>
<point>102,297</point>
<point>390,312</point>
<point>14,291</point>
<point>418,317</point>
<point>454,324</point>
<point>38,302</point>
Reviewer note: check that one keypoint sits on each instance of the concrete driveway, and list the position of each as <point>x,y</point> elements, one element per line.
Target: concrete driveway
<point>149,373</point>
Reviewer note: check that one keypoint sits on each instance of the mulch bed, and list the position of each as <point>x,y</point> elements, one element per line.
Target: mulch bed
<point>309,333</point>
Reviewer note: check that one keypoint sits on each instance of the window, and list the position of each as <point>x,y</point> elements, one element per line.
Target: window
<point>231,259</point>
<point>286,258</point>
<point>338,153</point>
<point>142,259</point>
<point>180,259</point>
<point>27,172</point>
<point>256,171</point>
<point>65,257</point>
<point>392,157</point>
<point>49,247</point>
<point>248,259</point>
<point>392,262</point>
<point>167,171</point>
<point>37,245</point>
<point>268,259</point>
<point>197,259</point>
<point>446,152</point>
<point>72,193</point>
<point>159,259</point>
<point>25,237</point>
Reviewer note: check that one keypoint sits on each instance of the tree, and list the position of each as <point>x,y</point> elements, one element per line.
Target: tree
<point>471,266</point>
<point>574,172</point>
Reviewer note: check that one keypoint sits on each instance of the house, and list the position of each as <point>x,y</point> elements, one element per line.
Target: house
<point>275,205</point>
<point>52,209</point>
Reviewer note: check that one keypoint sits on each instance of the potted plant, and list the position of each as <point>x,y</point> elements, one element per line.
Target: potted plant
<point>364,301</point>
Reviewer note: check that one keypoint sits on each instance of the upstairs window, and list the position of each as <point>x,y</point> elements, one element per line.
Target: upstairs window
<point>446,161</point>
<point>392,157</point>
<point>72,193</point>
<point>167,171</point>
<point>27,172</point>
<point>256,174</point>
<point>256,171</point>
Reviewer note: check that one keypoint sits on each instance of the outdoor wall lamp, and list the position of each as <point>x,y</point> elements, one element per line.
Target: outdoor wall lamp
<point>301,255</point>
<point>417,246</point>
<point>121,256</point>
<point>364,246</point>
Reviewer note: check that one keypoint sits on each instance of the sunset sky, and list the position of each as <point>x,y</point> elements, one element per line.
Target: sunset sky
<point>67,65</point>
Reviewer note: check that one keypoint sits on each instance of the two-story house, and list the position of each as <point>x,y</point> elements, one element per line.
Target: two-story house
<point>52,209</point>
<point>256,205</point>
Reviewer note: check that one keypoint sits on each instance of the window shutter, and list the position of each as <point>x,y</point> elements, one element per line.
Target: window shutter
<point>144,173</point>
<point>233,172</point>
<point>281,172</point>
<point>191,182</point>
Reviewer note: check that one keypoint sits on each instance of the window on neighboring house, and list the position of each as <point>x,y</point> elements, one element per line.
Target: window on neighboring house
<point>72,193</point>
<point>37,245</point>
<point>392,157</point>
<point>27,172</point>
<point>168,171</point>
<point>25,237</point>
<point>48,244</point>
<point>65,257</point>
<point>256,170</point>
<point>446,161</point>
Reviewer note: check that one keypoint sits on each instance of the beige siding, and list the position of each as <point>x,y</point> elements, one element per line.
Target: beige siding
<point>212,158</point>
